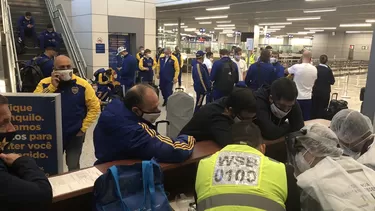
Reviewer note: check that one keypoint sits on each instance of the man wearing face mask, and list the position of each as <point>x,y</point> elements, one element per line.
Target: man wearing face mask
<point>23,186</point>
<point>125,130</point>
<point>251,182</point>
<point>180,60</point>
<point>214,120</point>
<point>140,54</point>
<point>26,27</point>
<point>80,107</point>
<point>241,64</point>
<point>202,83</point>
<point>147,65</point>
<point>167,71</point>
<point>49,37</point>
<point>275,105</point>
<point>278,68</point>
<point>208,61</point>
<point>128,70</point>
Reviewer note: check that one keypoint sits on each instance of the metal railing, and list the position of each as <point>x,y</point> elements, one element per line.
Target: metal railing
<point>12,71</point>
<point>61,24</point>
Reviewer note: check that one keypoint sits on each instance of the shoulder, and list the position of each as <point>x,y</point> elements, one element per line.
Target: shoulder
<point>82,82</point>
<point>46,80</point>
<point>173,57</point>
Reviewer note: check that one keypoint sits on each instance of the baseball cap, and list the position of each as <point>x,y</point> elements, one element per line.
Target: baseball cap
<point>199,54</point>
<point>120,49</point>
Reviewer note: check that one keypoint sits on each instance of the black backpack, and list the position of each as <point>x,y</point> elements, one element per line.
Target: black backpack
<point>226,78</point>
<point>335,106</point>
<point>32,74</point>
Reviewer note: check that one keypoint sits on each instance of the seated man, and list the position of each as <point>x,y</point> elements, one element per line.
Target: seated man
<point>275,105</point>
<point>49,37</point>
<point>355,133</point>
<point>213,121</point>
<point>124,130</point>
<point>23,186</point>
<point>46,60</point>
<point>104,79</point>
<point>240,177</point>
<point>330,181</point>
<point>26,27</point>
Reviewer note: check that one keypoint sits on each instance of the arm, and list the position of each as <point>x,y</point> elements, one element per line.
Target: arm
<point>214,69</point>
<point>28,187</point>
<point>93,107</point>
<point>32,22</point>
<point>248,78</point>
<point>331,77</point>
<point>236,70</point>
<point>154,65</point>
<point>140,65</point>
<point>157,67</point>
<point>291,70</point>
<point>163,148</point>
<point>19,22</point>
<point>221,129</point>
<point>137,57</point>
<point>292,202</point>
<point>176,67</point>
<point>295,118</point>
<point>181,61</point>
<point>49,89</point>
<point>199,70</point>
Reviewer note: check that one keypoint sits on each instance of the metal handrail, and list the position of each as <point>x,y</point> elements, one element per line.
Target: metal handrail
<point>14,71</point>
<point>58,13</point>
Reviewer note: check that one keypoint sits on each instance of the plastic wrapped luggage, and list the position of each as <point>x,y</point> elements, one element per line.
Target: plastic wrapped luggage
<point>335,106</point>
<point>180,110</point>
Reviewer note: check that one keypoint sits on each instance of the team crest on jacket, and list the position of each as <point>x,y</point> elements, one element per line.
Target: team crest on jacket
<point>75,89</point>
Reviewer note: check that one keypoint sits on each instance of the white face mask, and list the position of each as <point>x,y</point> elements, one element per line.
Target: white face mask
<point>277,112</point>
<point>273,60</point>
<point>349,152</point>
<point>151,117</point>
<point>301,162</point>
<point>142,51</point>
<point>147,56</point>
<point>65,75</point>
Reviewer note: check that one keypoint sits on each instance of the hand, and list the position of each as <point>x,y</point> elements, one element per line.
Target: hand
<point>175,80</point>
<point>157,76</point>
<point>80,134</point>
<point>9,158</point>
<point>55,80</point>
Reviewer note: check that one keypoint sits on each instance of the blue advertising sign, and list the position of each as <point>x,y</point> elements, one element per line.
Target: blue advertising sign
<point>37,120</point>
<point>100,48</point>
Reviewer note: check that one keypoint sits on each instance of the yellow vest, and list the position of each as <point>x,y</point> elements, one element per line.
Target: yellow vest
<point>240,177</point>
<point>251,58</point>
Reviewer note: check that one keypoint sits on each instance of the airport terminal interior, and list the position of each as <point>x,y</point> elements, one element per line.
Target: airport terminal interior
<point>98,35</point>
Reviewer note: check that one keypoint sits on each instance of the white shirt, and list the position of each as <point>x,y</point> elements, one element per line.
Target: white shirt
<point>208,63</point>
<point>305,75</point>
<point>242,68</point>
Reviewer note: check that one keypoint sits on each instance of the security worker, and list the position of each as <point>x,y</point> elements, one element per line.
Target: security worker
<point>240,177</point>
<point>140,54</point>
<point>147,65</point>
<point>167,71</point>
<point>251,58</point>
<point>49,37</point>
<point>80,107</point>
<point>177,54</point>
<point>202,83</point>
<point>128,70</point>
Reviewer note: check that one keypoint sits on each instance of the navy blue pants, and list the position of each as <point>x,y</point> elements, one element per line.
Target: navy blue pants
<point>199,100</point>
<point>179,78</point>
<point>166,88</point>
<point>29,32</point>
<point>306,108</point>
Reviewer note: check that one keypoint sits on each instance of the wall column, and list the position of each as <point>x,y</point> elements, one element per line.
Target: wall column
<point>369,101</point>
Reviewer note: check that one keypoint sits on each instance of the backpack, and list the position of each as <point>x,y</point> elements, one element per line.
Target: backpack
<point>32,74</point>
<point>96,74</point>
<point>20,46</point>
<point>226,78</point>
<point>335,106</point>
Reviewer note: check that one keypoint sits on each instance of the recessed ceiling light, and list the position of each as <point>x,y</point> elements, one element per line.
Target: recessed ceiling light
<point>303,18</point>
<point>319,28</point>
<point>358,32</point>
<point>221,28</point>
<point>280,23</point>
<point>332,9</point>
<point>370,21</point>
<point>356,25</point>
<point>223,21</point>
<point>184,27</point>
<point>218,8</point>
<point>211,17</point>
<point>190,29</point>
<point>207,22</point>
<point>173,24</point>
<point>277,27</point>
<point>226,25</point>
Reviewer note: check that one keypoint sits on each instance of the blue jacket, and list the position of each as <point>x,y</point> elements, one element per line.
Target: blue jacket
<point>49,39</point>
<point>79,104</point>
<point>260,74</point>
<point>22,22</point>
<point>168,70</point>
<point>120,134</point>
<point>46,65</point>
<point>202,83</point>
<point>218,66</point>
<point>129,67</point>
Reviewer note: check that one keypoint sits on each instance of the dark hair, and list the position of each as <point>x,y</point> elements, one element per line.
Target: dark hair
<point>284,88</point>
<point>49,26</point>
<point>224,52</point>
<point>27,13</point>
<point>237,50</point>
<point>141,47</point>
<point>50,48</point>
<point>268,47</point>
<point>134,97</point>
<point>209,54</point>
<point>234,47</point>
<point>3,100</point>
<point>147,51</point>
<point>247,131</point>
<point>109,71</point>
<point>323,59</point>
<point>241,99</point>
<point>265,56</point>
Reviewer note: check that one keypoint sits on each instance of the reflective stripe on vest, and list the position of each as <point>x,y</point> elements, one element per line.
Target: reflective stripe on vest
<point>248,200</point>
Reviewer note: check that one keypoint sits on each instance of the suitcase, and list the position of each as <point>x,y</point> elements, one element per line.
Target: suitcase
<point>180,109</point>
<point>335,106</point>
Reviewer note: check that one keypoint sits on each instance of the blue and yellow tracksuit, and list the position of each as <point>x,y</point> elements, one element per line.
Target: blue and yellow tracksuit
<point>147,76</point>
<point>216,68</point>
<point>105,86</point>
<point>181,63</point>
<point>47,38</point>
<point>139,56</point>
<point>202,83</point>
<point>168,70</point>
<point>24,30</point>
<point>127,72</point>
<point>259,74</point>
<point>79,104</point>
<point>120,134</point>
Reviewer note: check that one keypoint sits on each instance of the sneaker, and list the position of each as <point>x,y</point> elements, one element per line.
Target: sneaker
<point>165,103</point>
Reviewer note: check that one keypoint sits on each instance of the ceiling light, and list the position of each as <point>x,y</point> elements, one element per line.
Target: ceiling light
<point>370,21</point>
<point>358,32</point>
<point>221,28</point>
<point>280,23</point>
<point>321,28</point>
<point>211,17</point>
<point>190,29</point>
<point>207,22</point>
<point>184,27</point>
<point>277,27</point>
<point>226,25</point>
<point>332,9</point>
<point>304,18</point>
<point>218,8</point>
<point>223,21</point>
<point>356,25</point>
<point>317,30</point>
<point>173,24</point>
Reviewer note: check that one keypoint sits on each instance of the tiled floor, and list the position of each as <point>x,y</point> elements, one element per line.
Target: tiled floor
<point>353,89</point>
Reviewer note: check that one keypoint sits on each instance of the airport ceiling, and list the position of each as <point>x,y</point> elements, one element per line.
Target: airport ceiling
<point>245,13</point>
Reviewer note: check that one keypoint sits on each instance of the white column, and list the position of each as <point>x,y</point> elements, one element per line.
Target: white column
<point>256,36</point>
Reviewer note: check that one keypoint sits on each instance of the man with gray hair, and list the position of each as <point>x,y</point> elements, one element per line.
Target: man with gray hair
<point>305,75</point>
